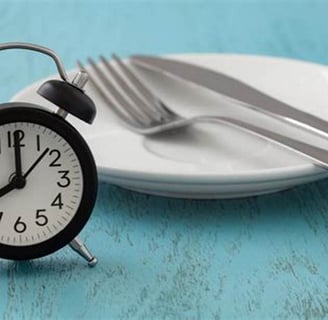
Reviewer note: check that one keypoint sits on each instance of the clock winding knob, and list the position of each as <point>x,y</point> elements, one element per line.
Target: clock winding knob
<point>80,79</point>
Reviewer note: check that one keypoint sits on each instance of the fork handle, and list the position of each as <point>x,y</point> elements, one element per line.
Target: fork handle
<point>316,154</point>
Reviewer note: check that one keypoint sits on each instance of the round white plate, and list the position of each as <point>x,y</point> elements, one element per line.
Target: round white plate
<point>209,161</point>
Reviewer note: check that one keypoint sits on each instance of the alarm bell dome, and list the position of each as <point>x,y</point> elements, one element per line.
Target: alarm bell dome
<point>70,98</point>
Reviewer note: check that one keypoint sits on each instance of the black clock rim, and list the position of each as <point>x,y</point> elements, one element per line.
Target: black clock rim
<point>25,112</point>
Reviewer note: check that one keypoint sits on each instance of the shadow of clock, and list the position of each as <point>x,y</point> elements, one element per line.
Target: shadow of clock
<point>54,264</point>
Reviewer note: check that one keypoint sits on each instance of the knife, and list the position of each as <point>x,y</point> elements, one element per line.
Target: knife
<point>234,89</point>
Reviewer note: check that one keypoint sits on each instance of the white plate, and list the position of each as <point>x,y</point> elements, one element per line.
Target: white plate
<point>209,161</point>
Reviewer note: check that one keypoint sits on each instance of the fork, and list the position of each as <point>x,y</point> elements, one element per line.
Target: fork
<point>144,113</point>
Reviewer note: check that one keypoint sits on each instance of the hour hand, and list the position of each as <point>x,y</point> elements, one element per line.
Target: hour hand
<point>9,187</point>
<point>16,182</point>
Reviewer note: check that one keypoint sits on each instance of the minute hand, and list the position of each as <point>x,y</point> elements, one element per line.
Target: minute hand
<point>18,156</point>
<point>234,89</point>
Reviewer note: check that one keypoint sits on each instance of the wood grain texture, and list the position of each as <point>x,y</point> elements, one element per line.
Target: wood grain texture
<point>256,258</point>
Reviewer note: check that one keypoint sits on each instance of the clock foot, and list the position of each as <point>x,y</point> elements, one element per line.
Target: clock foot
<point>78,246</point>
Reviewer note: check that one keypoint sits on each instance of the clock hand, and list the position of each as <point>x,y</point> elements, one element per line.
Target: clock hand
<point>18,157</point>
<point>19,180</point>
<point>36,162</point>
<point>9,187</point>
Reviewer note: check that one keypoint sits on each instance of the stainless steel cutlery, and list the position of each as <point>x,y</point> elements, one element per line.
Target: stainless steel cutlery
<point>144,113</point>
<point>234,89</point>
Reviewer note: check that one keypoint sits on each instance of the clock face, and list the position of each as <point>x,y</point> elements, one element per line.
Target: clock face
<point>48,182</point>
<point>51,192</point>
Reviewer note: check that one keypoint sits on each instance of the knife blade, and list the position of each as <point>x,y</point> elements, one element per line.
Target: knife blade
<point>235,89</point>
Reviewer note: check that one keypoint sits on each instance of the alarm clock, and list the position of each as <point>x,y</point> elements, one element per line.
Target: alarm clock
<point>48,176</point>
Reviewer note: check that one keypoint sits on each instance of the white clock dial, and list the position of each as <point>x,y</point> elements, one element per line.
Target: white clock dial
<point>54,184</point>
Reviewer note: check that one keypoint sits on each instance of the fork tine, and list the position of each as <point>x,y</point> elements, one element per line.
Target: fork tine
<point>129,91</point>
<point>123,115</point>
<point>148,96</point>
<point>121,100</point>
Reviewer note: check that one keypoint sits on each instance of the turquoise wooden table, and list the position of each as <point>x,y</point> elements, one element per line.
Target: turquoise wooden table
<point>263,257</point>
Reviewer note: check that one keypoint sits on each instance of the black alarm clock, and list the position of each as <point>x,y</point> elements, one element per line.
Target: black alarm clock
<point>48,176</point>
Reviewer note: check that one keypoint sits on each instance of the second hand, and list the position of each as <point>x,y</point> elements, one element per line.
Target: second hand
<point>36,162</point>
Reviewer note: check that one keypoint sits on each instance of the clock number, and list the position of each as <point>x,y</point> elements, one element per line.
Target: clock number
<point>57,156</point>
<point>41,219</point>
<point>10,136</point>
<point>58,202</point>
<point>66,180</point>
<point>20,226</point>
